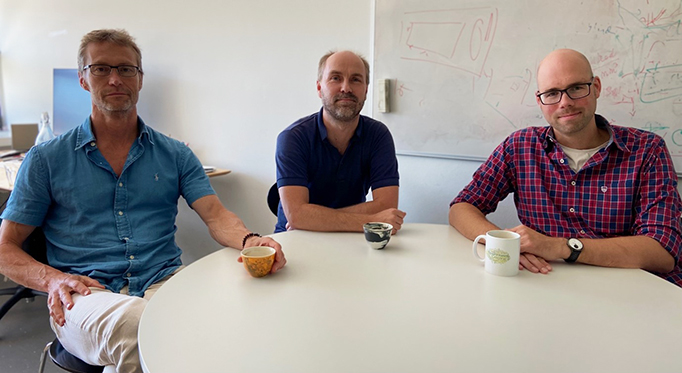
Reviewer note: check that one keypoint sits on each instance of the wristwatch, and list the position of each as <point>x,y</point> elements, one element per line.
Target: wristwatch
<point>576,248</point>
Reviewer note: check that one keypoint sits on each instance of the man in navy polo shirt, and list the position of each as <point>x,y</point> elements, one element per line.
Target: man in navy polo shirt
<point>328,161</point>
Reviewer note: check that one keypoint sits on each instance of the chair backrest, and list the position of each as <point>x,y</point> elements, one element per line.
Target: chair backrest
<point>273,198</point>
<point>34,245</point>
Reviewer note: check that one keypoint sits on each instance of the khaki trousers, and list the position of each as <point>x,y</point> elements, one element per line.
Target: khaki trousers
<point>101,328</point>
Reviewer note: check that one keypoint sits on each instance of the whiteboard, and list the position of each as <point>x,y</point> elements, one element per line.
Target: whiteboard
<point>462,73</point>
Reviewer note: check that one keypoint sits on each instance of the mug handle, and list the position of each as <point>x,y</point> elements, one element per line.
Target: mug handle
<point>476,247</point>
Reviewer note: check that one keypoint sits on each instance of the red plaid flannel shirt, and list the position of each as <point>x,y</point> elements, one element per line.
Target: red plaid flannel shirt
<point>628,188</point>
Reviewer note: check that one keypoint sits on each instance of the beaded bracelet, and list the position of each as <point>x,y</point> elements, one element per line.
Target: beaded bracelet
<point>252,234</point>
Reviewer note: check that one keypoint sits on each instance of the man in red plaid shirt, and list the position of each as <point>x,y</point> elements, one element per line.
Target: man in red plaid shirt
<point>585,191</point>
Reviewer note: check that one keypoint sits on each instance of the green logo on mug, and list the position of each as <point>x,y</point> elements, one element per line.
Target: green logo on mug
<point>498,256</point>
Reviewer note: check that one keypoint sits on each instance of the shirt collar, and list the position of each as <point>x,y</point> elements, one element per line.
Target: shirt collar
<point>85,135</point>
<point>617,140</point>
<point>548,141</point>
<point>323,129</point>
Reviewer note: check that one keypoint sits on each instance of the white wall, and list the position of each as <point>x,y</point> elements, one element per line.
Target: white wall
<point>225,76</point>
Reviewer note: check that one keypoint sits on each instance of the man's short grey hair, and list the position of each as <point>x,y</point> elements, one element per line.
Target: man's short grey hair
<point>116,36</point>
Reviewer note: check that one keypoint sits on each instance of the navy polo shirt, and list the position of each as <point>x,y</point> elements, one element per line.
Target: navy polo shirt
<point>305,157</point>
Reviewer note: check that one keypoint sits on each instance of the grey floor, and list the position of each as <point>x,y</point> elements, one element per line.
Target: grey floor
<point>24,331</point>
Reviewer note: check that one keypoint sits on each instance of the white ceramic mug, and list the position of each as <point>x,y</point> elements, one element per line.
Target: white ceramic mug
<point>502,250</point>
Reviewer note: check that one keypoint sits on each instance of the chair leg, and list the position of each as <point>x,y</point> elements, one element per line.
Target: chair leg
<point>43,357</point>
<point>9,291</point>
<point>18,295</point>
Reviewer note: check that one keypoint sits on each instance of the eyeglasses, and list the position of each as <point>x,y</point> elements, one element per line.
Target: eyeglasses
<point>573,92</point>
<point>126,71</point>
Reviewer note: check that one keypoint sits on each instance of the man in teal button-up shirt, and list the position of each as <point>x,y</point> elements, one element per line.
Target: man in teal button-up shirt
<point>105,195</point>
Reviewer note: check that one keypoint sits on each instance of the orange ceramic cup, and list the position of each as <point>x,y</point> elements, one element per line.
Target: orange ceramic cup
<point>258,260</point>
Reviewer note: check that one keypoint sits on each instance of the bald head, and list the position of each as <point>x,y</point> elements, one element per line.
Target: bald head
<point>572,118</point>
<point>562,62</point>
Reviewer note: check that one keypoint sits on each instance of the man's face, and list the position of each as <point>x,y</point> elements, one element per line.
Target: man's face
<point>343,87</point>
<point>112,93</point>
<point>568,116</point>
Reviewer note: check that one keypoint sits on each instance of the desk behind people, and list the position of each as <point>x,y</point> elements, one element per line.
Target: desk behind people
<point>6,185</point>
<point>423,304</point>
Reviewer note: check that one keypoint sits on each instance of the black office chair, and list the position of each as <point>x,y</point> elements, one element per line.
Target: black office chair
<point>63,359</point>
<point>273,198</point>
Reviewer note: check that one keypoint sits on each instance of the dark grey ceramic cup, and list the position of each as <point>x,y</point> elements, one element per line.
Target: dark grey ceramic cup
<point>377,234</point>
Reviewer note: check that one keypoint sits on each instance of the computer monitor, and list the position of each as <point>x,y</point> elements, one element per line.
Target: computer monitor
<point>71,103</point>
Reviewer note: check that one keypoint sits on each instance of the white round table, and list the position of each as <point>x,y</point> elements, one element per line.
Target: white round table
<point>423,304</point>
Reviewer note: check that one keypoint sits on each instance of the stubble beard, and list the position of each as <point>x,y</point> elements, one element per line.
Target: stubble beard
<point>117,107</point>
<point>342,113</point>
<point>575,125</point>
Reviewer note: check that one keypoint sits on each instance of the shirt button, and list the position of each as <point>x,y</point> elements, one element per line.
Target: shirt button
<point>582,231</point>
<point>92,143</point>
<point>125,239</point>
<point>132,257</point>
<point>561,161</point>
<point>571,209</point>
<point>573,182</point>
<point>129,274</point>
<point>120,184</point>
<point>120,213</point>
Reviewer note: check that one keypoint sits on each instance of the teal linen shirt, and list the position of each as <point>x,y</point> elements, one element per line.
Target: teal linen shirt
<point>118,230</point>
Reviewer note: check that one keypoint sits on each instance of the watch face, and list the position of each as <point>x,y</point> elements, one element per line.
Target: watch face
<point>575,244</point>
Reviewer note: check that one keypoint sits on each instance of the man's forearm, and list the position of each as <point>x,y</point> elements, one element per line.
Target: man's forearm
<point>369,207</point>
<point>620,252</point>
<point>382,199</point>
<point>23,269</point>
<point>18,265</point>
<point>224,226</point>
<point>319,218</point>
<point>469,220</point>
<point>229,230</point>
<point>627,252</point>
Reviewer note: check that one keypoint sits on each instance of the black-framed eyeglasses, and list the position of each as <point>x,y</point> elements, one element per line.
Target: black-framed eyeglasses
<point>573,92</point>
<point>126,71</point>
